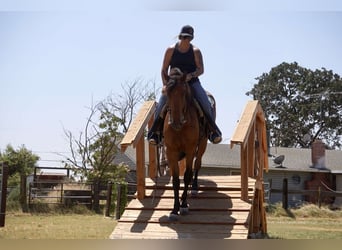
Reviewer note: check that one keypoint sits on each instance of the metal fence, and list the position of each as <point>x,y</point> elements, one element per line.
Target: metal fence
<point>321,195</point>
<point>91,195</point>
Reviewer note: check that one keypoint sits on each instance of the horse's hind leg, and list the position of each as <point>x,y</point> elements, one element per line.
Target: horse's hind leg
<point>194,186</point>
<point>197,165</point>
<point>187,179</point>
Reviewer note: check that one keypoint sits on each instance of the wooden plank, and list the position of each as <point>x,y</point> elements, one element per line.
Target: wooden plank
<point>215,204</point>
<point>263,138</point>
<point>244,126</point>
<point>244,174</point>
<point>152,155</point>
<point>140,168</point>
<point>168,194</point>
<point>251,152</point>
<point>205,181</point>
<point>194,218</point>
<point>178,231</point>
<point>137,127</point>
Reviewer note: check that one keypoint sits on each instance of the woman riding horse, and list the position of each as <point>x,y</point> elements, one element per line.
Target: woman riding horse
<point>182,137</point>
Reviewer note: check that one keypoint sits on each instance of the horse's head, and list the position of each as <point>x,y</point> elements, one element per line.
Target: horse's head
<point>178,96</point>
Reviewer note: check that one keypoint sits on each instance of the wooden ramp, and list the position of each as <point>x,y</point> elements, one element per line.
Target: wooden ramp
<point>217,212</point>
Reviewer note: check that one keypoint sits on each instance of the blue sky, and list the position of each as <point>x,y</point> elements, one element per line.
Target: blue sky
<point>58,56</point>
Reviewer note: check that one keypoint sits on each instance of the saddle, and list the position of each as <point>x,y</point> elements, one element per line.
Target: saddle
<point>198,107</point>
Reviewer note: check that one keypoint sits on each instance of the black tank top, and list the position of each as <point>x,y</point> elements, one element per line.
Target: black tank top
<point>184,61</point>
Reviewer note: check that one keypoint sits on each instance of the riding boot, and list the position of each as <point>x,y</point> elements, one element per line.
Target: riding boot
<point>215,135</point>
<point>154,135</point>
<point>201,96</point>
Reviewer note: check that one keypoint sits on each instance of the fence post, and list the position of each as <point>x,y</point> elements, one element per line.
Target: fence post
<point>319,197</point>
<point>109,197</point>
<point>96,196</point>
<point>62,194</point>
<point>285,193</point>
<point>3,194</point>
<point>30,195</point>
<point>118,202</point>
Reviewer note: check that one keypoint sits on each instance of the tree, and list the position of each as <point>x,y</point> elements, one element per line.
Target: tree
<point>301,105</point>
<point>20,164</point>
<point>124,105</point>
<point>94,150</point>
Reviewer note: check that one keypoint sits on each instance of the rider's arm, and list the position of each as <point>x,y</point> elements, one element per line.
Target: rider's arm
<point>199,63</point>
<point>166,64</point>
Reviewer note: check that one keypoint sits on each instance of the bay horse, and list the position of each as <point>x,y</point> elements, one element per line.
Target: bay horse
<point>184,137</point>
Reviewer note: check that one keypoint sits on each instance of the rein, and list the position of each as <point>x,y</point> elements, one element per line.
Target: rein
<point>175,80</point>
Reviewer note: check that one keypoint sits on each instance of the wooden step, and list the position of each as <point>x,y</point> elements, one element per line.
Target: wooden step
<point>194,217</point>
<point>177,231</point>
<point>194,204</point>
<point>216,212</point>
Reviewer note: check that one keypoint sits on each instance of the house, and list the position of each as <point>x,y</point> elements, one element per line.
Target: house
<point>297,167</point>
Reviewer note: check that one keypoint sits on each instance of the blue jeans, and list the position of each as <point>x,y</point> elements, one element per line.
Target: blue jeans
<point>203,100</point>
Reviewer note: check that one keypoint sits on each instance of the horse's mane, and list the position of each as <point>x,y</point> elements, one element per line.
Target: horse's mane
<point>175,76</point>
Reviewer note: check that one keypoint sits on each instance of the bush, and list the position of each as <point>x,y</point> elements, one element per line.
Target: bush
<point>306,210</point>
<point>12,201</point>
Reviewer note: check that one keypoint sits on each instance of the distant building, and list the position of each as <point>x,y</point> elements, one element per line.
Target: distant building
<point>298,167</point>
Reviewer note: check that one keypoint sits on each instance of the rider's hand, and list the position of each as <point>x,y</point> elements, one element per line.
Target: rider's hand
<point>164,90</point>
<point>188,77</point>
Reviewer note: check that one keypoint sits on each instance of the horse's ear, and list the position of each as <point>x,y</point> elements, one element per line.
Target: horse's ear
<point>174,72</point>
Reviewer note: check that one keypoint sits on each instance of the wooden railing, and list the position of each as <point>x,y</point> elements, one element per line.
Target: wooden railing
<point>135,137</point>
<point>250,134</point>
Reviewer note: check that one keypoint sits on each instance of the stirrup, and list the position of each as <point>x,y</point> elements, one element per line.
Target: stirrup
<point>154,140</point>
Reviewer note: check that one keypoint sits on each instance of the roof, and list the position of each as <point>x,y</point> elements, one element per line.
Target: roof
<point>221,155</point>
<point>126,158</point>
<point>299,159</point>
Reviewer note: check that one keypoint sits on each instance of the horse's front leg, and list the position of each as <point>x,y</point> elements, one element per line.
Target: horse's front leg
<point>176,204</point>
<point>187,179</point>
<point>173,163</point>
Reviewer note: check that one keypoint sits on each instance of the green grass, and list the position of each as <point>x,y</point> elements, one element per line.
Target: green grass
<point>307,222</point>
<point>56,226</point>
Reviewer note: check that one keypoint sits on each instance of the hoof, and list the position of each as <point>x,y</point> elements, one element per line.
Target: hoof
<point>173,217</point>
<point>184,210</point>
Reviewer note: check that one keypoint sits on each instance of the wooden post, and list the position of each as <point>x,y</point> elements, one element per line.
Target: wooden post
<point>96,198</point>
<point>3,194</point>
<point>30,196</point>
<point>152,156</point>
<point>140,154</point>
<point>319,198</point>
<point>62,193</point>
<point>285,194</point>
<point>253,159</point>
<point>109,197</point>
<point>244,174</point>
<point>251,151</point>
<point>118,202</point>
